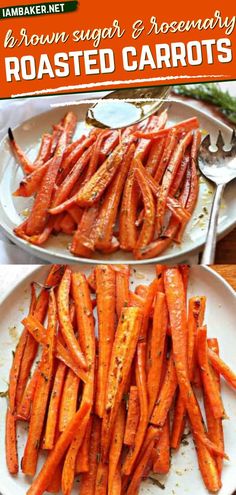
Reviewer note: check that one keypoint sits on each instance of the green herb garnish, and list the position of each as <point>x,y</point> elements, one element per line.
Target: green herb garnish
<point>212,93</point>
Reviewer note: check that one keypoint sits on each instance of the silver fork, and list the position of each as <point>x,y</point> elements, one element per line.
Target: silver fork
<point>218,166</point>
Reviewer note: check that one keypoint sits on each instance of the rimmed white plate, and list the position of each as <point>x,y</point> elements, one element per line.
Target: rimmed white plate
<point>56,248</point>
<point>184,477</point>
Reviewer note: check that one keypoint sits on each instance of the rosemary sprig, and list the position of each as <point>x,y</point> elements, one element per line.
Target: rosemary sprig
<point>212,93</point>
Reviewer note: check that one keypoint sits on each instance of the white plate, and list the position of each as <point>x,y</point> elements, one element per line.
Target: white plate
<point>55,249</point>
<point>220,317</point>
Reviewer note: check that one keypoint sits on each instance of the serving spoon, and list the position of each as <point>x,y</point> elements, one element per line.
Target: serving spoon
<point>126,107</point>
<point>217,164</point>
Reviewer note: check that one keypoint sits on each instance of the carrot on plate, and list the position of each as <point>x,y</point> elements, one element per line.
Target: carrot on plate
<point>38,217</point>
<point>124,346</point>
<point>196,312</point>
<point>158,338</point>
<point>116,446</point>
<point>23,411</point>
<point>30,458</point>
<point>214,426</point>
<point>42,480</point>
<point>161,461</point>
<point>133,416</point>
<point>108,212</point>
<point>11,443</point>
<point>140,373</point>
<point>69,399</point>
<point>64,318</point>
<point>88,479</point>
<point>175,295</point>
<point>222,368</point>
<point>54,407</point>
<point>122,289</point>
<point>210,386</point>
<point>82,461</point>
<point>106,301</point>
<point>184,126</point>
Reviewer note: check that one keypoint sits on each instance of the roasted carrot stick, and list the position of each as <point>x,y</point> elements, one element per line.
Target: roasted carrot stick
<point>175,295</point>
<point>122,289</point>
<point>161,464</point>
<point>193,187</point>
<point>108,211</point>
<point>38,332</point>
<point>30,458</point>
<point>17,359</point>
<point>133,416</point>
<point>117,483</point>
<point>44,152</point>
<point>85,321</point>
<point>159,329</point>
<point>82,461</point>
<point>19,153</point>
<point>30,184</point>
<point>11,443</point>
<point>111,141</point>
<point>166,395</point>
<point>40,483</point>
<point>195,319</point>
<point>39,214</point>
<point>88,480</point>
<point>64,318</point>
<point>140,373</point>
<point>210,386</point>
<point>83,239</point>
<point>123,350</point>
<point>184,126</point>
<point>222,368</point>
<point>139,471</point>
<point>180,174</point>
<point>95,159</point>
<point>68,472</point>
<point>55,483</point>
<point>155,155</point>
<point>53,409</point>
<point>69,400</point>
<point>101,479</point>
<point>169,147</point>
<point>23,411</point>
<point>168,177</point>
<point>214,426</point>
<point>150,297</point>
<point>106,300</point>
<point>148,228</point>
<point>69,161</point>
<point>128,212</point>
<point>70,180</point>
<point>116,446</point>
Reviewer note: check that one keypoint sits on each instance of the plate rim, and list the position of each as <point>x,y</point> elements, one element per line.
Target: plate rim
<point>46,254</point>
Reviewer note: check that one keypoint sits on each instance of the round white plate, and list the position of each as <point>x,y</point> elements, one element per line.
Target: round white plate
<point>56,248</point>
<point>220,318</point>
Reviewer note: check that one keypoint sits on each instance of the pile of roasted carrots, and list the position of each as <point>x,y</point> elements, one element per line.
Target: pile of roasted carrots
<point>115,366</point>
<point>133,190</point>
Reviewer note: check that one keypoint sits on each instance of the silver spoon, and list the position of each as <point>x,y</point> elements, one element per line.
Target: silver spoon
<point>217,164</point>
<point>126,107</point>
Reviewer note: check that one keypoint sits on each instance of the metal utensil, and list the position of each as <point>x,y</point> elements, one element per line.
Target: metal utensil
<point>218,164</point>
<point>125,107</point>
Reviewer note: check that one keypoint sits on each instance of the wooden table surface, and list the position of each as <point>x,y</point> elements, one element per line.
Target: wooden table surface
<point>228,272</point>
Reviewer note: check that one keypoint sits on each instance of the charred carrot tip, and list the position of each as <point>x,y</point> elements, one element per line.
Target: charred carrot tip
<point>10,134</point>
